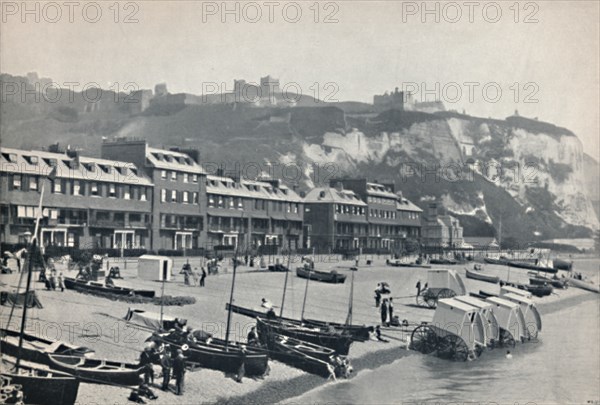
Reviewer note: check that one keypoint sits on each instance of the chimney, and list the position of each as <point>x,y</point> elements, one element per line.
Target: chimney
<point>74,155</point>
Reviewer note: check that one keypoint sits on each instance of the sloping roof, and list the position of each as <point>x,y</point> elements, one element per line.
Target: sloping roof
<point>405,205</point>
<point>331,195</point>
<point>249,189</point>
<point>36,162</point>
<point>172,160</point>
<point>380,190</point>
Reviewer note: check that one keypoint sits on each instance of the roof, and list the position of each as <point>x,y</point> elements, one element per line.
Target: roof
<point>250,189</point>
<point>502,302</point>
<point>380,190</point>
<point>481,240</point>
<point>473,301</point>
<point>451,302</point>
<point>405,205</point>
<point>518,298</point>
<point>331,195</point>
<point>172,160</point>
<point>41,163</point>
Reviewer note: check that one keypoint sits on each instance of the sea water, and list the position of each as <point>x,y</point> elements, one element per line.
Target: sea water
<point>563,366</point>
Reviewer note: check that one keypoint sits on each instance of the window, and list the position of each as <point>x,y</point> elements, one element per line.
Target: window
<point>240,204</point>
<point>94,189</point>
<point>174,176</point>
<point>186,197</point>
<point>57,187</point>
<point>195,197</point>
<point>112,190</point>
<point>185,177</point>
<point>163,174</point>
<point>143,194</point>
<point>231,202</point>
<point>33,183</point>
<point>220,203</point>
<point>127,192</point>
<point>17,182</point>
<point>173,195</point>
<point>194,178</point>
<point>211,201</point>
<point>163,195</point>
<point>76,187</point>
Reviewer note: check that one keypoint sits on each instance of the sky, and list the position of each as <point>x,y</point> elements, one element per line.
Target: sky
<point>489,59</point>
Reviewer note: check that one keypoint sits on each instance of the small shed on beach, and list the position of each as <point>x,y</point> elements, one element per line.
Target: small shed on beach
<point>155,268</point>
<point>450,279</point>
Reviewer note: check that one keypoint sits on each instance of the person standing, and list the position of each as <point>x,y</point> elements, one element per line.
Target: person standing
<point>61,282</point>
<point>179,372</point>
<point>390,312</point>
<point>384,311</point>
<point>166,363</point>
<point>253,337</point>
<point>146,363</point>
<point>418,286</point>
<point>203,277</point>
<point>377,297</point>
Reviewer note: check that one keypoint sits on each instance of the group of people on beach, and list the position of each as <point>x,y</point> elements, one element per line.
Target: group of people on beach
<point>54,280</point>
<point>193,277</point>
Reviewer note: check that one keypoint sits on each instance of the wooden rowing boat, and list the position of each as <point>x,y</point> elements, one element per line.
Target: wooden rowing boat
<point>305,356</point>
<point>359,333</point>
<point>529,266</point>
<point>482,277</point>
<point>98,371</point>
<point>214,354</point>
<point>397,263</point>
<point>36,349</point>
<point>333,339</point>
<point>557,283</point>
<point>90,286</point>
<point>584,285</point>
<point>39,386</point>
<point>323,276</point>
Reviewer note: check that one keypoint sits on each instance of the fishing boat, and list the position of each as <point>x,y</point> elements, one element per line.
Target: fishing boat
<point>539,290</point>
<point>278,267</point>
<point>217,354</point>
<point>482,277</point>
<point>97,371</point>
<point>561,264</point>
<point>530,266</point>
<point>334,339</point>
<point>39,386</point>
<point>398,263</point>
<point>554,282</point>
<point>90,286</point>
<point>443,261</point>
<point>323,276</point>
<point>306,356</point>
<point>359,333</point>
<point>36,349</point>
<point>584,285</point>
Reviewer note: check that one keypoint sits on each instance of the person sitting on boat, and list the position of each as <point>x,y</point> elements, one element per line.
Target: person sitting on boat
<point>190,335</point>
<point>253,337</point>
<point>271,314</point>
<point>108,281</point>
<point>115,272</point>
<point>265,303</point>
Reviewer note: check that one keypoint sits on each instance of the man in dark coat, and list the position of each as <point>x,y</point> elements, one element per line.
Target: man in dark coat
<point>179,372</point>
<point>203,277</point>
<point>166,363</point>
<point>146,362</point>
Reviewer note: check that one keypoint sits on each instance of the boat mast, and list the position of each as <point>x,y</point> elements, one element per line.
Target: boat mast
<point>349,317</point>
<point>32,249</point>
<point>232,288</point>
<point>305,294</point>
<point>285,282</point>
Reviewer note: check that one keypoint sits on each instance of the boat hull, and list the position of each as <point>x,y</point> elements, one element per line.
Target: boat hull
<point>98,371</point>
<point>482,277</point>
<point>74,284</point>
<point>214,356</point>
<point>583,285</point>
<point>36,349</point>
<point>44,387</point>
<point>340,342</point>
<point>325,277</point>
<point>359,333</point>
<point>304,356</point>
